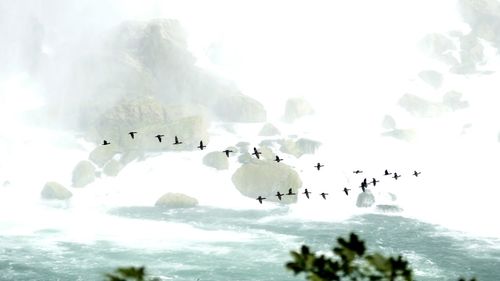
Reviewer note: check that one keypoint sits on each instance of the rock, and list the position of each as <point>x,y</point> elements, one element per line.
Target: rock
<point>420,107</point>
<point>265,178</point>
<point>440,47</point>
<point>453,101</point>
<point>388,208</point>
<point>240,108</point>
<point>54,190</point>
<point>243,146</point>
<point>102,154</point>
<point>299,147</point>
<point>431,77</point>
<point>112,168</point>
<point>401,134</point>
<point>388,122</point>
<point>483,18</point>
<point>365,199</point>
<point>149,117</point>
<point>217,160</point>
<point>296,108</point>
<point>83,174</point>
<point>176,201</point>
<point>269,130</point>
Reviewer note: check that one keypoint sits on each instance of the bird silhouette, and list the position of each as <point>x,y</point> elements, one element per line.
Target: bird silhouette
<point>177,141</point>
<point>278,159</point>
<point>132,134</point>
<point>396,176</point>
<point>201,146</point>
<point>256,153</point>
<point>227,151</point>
<point>159,137</point>
<point>260,198</point>
<point>357,172</point>
<point>318,166</point>
<point>346,190</point>
<point>323,195</point>
<point>279,195</point>
<point>290,192</point>
<point>415,173</point>
<point>105,142</point>
<point>306,192</point>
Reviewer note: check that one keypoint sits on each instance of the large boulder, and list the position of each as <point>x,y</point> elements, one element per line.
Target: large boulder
<point>240,108</point>
<point>102,154</point>
<point>83,174</point>
<point>299,147</point>
<point>217,160</point>
<point>365,199</point>
<point>269,130</point>
<point>54,190</point>
<point>296,108</point>
<point>176,201</point>
<point>265,178</point>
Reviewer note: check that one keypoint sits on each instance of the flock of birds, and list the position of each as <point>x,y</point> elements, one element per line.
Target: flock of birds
<point>318,166</point>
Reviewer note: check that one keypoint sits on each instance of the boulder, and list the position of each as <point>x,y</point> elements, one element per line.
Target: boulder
<point>365,199</point>
<point>299,147</point>
<point>112,168</point>
<point>388,208</point>
<point>420,107</point>
<point>102,154</point>
<point>483,18</point>
<point>265,178</point>
<point>439,46</point>
<point>296,108</point>
<point>269,130</point>
<point>453,101</point>
<point>388,122</point>
<point>431,77</point>
<point>176,201</point>
<point>83,174</point>
<point>54,190</point>
<point>217,160</point>
<point>240,108</point>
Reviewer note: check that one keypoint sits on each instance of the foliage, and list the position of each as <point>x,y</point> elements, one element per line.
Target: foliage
<point>129,274</point>
<point>350,262</point>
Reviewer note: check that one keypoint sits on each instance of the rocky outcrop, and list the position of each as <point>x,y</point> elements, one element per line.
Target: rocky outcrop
<point>265,178</point>
<point>365,199</point>
<point>217,160</point>
<point>269,130</point>
<point>299,147</point>
<point>239,108</point>
<point>54,190</point>
<point>83,174</point>
<point>296,108</point>
<point>176,201</point>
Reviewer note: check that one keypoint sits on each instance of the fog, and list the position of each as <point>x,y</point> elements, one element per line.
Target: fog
<point>73,72</point>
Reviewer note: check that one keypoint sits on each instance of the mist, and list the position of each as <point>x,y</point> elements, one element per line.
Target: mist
<point>370,85</point>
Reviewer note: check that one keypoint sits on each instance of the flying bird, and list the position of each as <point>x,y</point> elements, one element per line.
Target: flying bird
<point>346,190</point>
<point>227,151</point>
<point>318,166</point>
<point>357,172</point>
<point>323,195</point>
<point>177,141</point>
<point>256,153</point>
<point>396,176</point>
<point>132,134</point>
<point>260,198</point>
<point>306,192</point>
<point>374,181</point>
<point>279,195</point>
<point>386,173</point>
<point>201,146</point>
<point>278,159</point>
<point>105,142</point>
<point>415,173</point>
<point>159,137</point>
<point>290,192</point>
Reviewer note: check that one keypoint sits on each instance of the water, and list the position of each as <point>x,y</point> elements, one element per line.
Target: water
<point>435,253</point>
